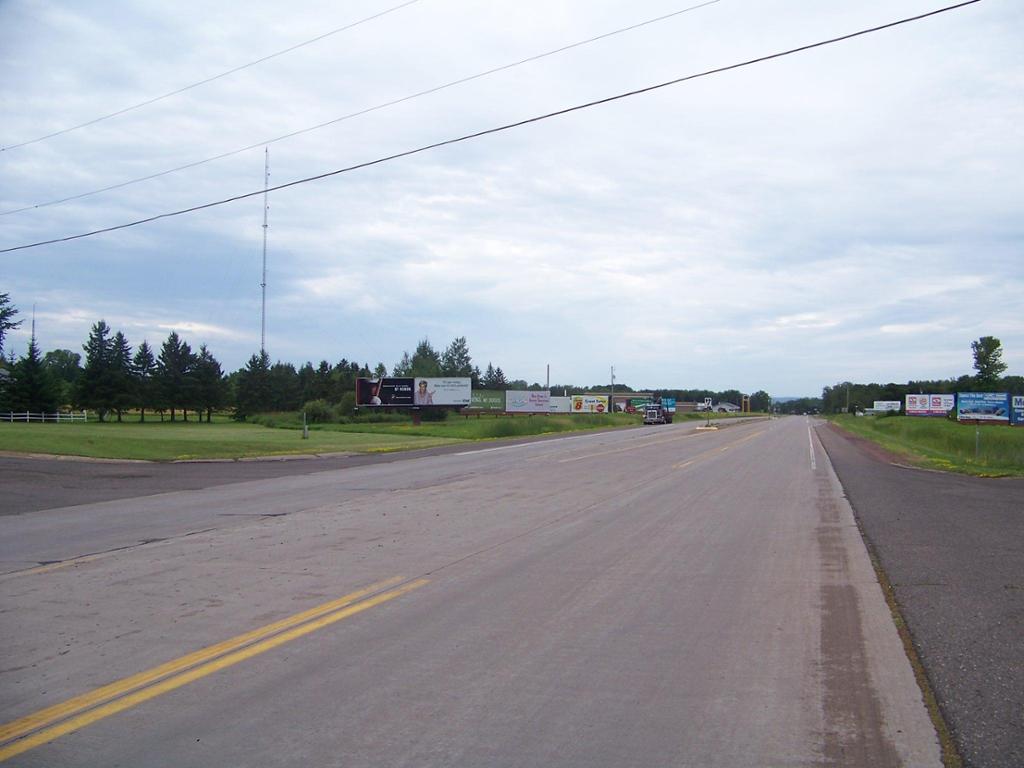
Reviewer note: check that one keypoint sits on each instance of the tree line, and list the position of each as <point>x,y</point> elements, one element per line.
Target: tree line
<point>988,376</point>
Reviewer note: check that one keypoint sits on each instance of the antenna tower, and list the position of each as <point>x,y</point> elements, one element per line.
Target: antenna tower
<point>263,283</point>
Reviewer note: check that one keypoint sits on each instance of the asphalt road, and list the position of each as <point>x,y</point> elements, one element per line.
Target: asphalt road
<point>953,549</point>
<point>650,597</point>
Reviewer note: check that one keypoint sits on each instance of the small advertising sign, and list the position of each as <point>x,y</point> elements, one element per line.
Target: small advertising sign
<point>887,405</point>
<point>487,400</point>
<point>1017,410</point>
<point>983,406</point>
<point>590,404</point>
<point>560,405</point>
<point>523,401</point>
<point>930,405</point>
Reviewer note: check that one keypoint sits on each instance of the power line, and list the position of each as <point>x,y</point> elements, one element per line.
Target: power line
<point>359,113</point>
<point>498,129</point>
<point>189,87</point>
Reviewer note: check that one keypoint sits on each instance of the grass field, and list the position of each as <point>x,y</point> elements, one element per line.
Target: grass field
<point>224,439</point>
<point>988,450</point>
<point>178,441</point>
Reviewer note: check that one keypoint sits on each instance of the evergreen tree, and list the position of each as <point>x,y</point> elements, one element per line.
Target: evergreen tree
<point>285,393</point>
<point>252,391</point>
<point>144,369</point>
<point>210,383</point>
<point>7,321</point>
<point>96,389</point>
<point>403,367</point>
<point>121,374</point>
<point>487,380</point>
<point>500,382</point>
<point>173,366</point>
<point>425,360</point>
<point>380,371</point>
<point>456,360</point>
<point>32,388</point>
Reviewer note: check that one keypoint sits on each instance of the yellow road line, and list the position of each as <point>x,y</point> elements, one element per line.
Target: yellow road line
<point>53,566</point>
<point>195,673</point>
<point>44,717</point>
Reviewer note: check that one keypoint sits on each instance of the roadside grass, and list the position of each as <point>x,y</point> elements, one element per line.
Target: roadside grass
<point>276,435</point>
<point>155,441</point>
<point>943,444</point>
<point>457,427</point>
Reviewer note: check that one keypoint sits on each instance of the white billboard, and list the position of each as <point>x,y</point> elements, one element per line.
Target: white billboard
<point>590,404</point>
<point>442,391</point>
<point>930,405</point>
<point>560,405</point>
<point>522,401</point>
<point>887,405</point>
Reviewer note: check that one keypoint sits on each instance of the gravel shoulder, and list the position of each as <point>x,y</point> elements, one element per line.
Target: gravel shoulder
<point>953,548</point>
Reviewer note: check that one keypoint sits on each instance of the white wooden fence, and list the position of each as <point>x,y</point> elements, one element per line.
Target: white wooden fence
<point>60,417</point>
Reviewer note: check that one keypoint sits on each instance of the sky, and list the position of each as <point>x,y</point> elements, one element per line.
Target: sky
<point>852,212</point>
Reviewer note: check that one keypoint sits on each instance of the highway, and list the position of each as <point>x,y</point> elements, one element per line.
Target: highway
<point>647,597</point>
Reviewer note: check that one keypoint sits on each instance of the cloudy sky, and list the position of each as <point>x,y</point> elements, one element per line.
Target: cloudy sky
<point>851,212</point>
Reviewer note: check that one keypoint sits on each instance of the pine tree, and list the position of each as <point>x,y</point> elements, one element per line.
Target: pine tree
<point>96,388</point>
<point>403,367</point>
<point>122,379</point>
<point>32,388</point>
<point>210,383</point>
<point>173,381</point>
<point>425,360</point>
<point>144,369</point>
<point>253,387</point>
<point>456,360</point>
<point>7,321</point>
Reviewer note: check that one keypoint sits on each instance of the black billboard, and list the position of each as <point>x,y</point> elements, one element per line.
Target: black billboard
<point>392,391</point>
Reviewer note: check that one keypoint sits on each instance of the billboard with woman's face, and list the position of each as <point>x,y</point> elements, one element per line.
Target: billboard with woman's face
<point>409,391</point>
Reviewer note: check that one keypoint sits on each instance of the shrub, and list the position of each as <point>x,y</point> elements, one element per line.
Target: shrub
<point>319,412</point>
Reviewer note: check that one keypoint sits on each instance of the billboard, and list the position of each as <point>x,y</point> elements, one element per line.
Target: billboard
<point>1017,410</point>
<point>669,404</point>
<point>523,401</point>
<point>930,405</point>
<point>589,403</point>
<point>886,405</point>
<point>983,406</point>
<point>487,400</point>
<point>560,405</point>
<point>409,391</point>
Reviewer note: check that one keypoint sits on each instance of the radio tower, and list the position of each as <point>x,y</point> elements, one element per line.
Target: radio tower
<point>263,284</point>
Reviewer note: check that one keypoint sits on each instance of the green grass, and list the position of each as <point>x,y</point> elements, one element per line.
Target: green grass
<point>457,427</point>
<point>942,444</point>
<point>280,434</point>
<point>154,441</point>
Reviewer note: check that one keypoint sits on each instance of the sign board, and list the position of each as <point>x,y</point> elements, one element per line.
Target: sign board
<point>560,405</point>
<point>589,403</point>
<point>707,402</point>
<point>983,406</point>
<point>409,391</point>
<point>524,401</point>
<point>487,400</point>
<point>930,405</point>
<point>669,404</point>
<point>1017,410</point>
<point>887,405</point>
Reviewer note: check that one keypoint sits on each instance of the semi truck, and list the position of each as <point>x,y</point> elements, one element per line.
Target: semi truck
<point>656,413</point>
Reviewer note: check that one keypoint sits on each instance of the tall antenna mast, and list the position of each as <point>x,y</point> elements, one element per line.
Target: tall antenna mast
<point>263,284</point>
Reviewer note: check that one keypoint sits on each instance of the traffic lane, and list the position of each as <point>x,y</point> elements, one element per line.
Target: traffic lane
<point>39,482</point>
<point>62,619</point>
<point>953,549</point>
<point>60,535</point>
<point>676,620</point>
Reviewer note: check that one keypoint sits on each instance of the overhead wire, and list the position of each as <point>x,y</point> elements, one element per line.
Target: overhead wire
<point>365,111</point>
<point>499,129</point>
<point>189,87</point>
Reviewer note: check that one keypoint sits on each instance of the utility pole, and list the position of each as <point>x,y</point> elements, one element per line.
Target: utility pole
<point>611,403</point>
<point>263,283</point>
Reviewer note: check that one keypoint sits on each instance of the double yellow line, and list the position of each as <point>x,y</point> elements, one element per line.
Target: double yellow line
<point>48,724</point>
